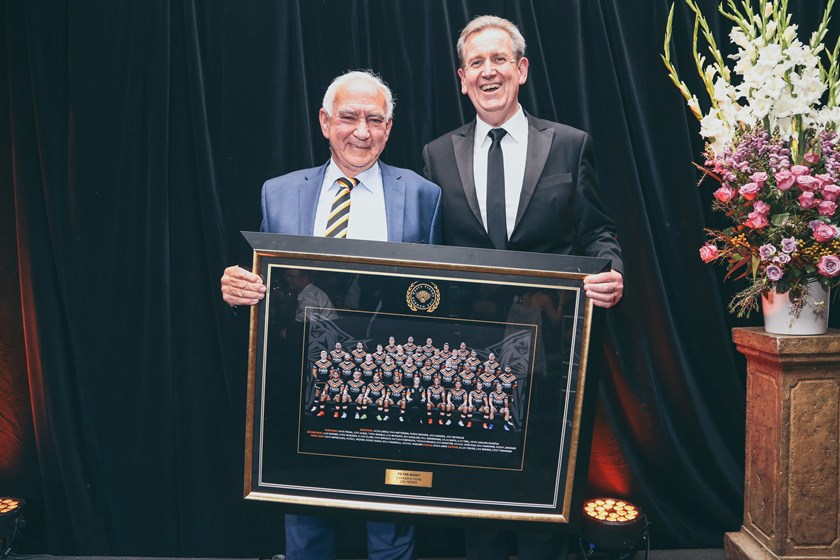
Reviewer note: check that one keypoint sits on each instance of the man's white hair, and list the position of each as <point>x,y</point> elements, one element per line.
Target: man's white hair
<point>481,23</point>
<point>366,75</point>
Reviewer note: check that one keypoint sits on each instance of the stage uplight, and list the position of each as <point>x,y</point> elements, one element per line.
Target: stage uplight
<point>11,521</point>
<point>613,529</point>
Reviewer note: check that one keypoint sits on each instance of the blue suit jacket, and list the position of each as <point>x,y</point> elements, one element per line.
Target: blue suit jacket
<point>412,204</point>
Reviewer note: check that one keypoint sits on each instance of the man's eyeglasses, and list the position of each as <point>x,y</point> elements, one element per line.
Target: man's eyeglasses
<point>496,62</point>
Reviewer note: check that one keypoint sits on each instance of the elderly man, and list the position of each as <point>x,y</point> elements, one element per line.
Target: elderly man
<point>513,181</point>
<point>353,195</point>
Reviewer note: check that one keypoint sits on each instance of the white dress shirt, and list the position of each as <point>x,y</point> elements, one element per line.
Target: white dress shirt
<point>515,150</point>
<point>367,204</point>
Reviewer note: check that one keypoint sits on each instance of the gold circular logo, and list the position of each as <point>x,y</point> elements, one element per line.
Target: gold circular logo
<point>422,296</point>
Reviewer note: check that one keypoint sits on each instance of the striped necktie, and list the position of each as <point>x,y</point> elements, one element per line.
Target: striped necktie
<point>339,216</point>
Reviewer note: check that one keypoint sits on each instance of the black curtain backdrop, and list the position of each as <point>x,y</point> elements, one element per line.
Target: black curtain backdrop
<point>134,139</point>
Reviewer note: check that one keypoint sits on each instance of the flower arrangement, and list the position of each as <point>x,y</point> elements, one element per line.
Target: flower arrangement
<point>772,145</point>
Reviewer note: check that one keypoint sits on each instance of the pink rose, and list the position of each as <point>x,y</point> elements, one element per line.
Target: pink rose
<point>749,191</point>
<point>708,252</point>
<point>823,232</point>
<point>759,178</point>
<point>830,191</point>
<point>807,200</point>
<point>756,220</point>
<point>829,266</point>
<point>784,179</point>
<point>761,207</point>
<point>724,194</point>
<point>799,170</point>
<point>827,208</point>
<point>808,183</point>
<point>811,158</point>
<point>825,179</point>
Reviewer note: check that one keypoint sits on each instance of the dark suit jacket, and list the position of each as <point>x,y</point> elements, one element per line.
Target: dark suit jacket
<point>559,210</point>
<point>412,204</point>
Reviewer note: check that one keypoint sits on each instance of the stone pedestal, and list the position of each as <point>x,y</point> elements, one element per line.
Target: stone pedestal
<point>792,478</point>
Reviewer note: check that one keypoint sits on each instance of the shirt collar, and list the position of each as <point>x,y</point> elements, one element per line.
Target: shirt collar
<point>369,179</point>
<point>516,127</point>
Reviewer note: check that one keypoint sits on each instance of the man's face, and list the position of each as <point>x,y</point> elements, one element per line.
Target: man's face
<point>491,75</point>
<point>357,129</point>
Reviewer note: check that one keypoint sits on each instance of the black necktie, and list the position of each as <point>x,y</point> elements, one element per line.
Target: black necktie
<point>496,217</point>
<point>339,217</point>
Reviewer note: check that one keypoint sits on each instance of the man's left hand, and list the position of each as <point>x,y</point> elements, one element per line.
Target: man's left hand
<point>604,289</point>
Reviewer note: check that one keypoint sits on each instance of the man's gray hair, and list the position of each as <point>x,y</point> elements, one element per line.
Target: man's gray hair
<point>481,23</point>
<point>366,75</point>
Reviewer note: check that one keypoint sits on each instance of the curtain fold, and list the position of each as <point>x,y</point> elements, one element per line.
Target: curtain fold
<point>139,135</point>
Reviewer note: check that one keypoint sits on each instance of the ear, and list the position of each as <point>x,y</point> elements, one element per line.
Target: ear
<point>463,76</point>
<point>324,119</point>
<point>522,67</point>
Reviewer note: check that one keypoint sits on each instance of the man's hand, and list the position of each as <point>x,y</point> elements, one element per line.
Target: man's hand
<point>240,287</point>
<point>604,289</point>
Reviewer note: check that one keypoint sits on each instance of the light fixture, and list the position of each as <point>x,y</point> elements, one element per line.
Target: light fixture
<point>613,528</point>
<point>11,521</point>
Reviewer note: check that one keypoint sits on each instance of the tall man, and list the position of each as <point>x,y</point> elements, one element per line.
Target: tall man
<point>513,181</point>
<point>385,204</point>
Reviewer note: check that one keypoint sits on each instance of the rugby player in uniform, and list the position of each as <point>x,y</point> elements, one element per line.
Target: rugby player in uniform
<point>332,393</point>
<point>463,351</point>
<point>379,355</point>
<point>321,373</point>
<point>337,354</point>
<point>409,345</point>
<point>400,357</point>
<point>354,390</point>
<point>367,368</point>
<point>429,348</point>
<point>509,383</point>
<point>499,405</point>
<point>346,368</point>
<point>359,353</point>
<point>388,369</point>
<point>456,399</point>
<point>436,400</point>
<point>445,352</point>
<point>396,395</point>
<point>409,371</point>
<point>478,403</point>
<point>448,376</point>
<point>427,373</point>
<point>472,362</point>
<point>373,394</point>
<point>491,364</point>
<point>467,378</point>
<point>487,378</point>
<point>392,346</point>
<point>437,359</point>
<point>418,356</point>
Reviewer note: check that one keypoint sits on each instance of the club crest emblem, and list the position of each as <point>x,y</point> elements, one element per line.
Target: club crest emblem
<point>422,296</point>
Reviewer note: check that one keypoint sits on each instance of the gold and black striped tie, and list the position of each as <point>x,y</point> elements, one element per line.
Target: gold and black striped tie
<point>340,212</point>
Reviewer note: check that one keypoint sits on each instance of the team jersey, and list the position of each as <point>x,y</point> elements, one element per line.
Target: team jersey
<point>415,395</point>
<point>426,375</point>
<point>488,380</point>
<point>467,378</point>
<point>388,372</point>
<point>396,391</point>
<point>419,357</point>
<point>334,387</point>
<point>428,349</point>
<point>379,358</point>
<point>409,347</point>
<point>491,367</point>
<point>346,369</point>
<point>477,397</point>
<point>359,355</point>
<point>355,388</point>
<point>408,373</point>
<point>447,377</point>
<point>446,354</point>
<point>508,381</point>
<point>337,356</point>
<point>391,349</point>
<point>368,369</point>
<point>457,397</point>
<point>436,360</point>
<point>436,394</point>
<point>374,390</point>
<point>322,370</point>
<point>400,359</point>
<point>497,400</point>
<point>472,364</point>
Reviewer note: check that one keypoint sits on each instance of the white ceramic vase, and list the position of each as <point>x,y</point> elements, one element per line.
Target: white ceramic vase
<point>779,316</point>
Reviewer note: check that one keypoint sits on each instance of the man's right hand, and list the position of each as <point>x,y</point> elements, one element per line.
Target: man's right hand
<point>240,287</point>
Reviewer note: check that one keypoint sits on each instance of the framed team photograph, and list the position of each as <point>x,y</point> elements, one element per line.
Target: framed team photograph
<point>419,379</point>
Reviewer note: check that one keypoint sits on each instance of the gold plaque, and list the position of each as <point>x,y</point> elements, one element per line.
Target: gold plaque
<point>408,478</point>
<point>422,296</point>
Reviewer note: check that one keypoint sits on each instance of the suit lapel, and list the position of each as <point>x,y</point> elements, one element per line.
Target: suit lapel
<point>394,192</point>
<point>310,191</point>
<point>463,141</point>
<point>539,145</point>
